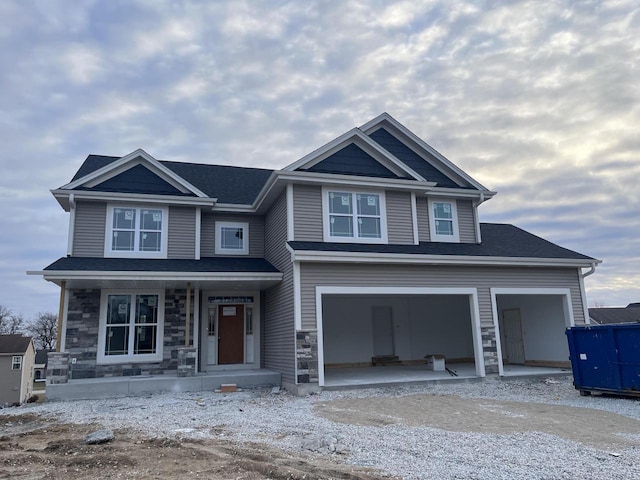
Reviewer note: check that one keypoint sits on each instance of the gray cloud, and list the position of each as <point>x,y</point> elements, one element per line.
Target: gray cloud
<point>537,100</point>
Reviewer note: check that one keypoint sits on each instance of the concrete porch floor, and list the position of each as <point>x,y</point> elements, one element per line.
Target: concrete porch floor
<point>342,378</point>
<point>94,388</point>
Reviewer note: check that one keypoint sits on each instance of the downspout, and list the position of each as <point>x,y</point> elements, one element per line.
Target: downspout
<point>581,277</point>
<point>476,204</point>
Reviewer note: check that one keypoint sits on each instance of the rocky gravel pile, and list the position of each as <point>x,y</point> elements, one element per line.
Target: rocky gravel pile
<point>385,441</point>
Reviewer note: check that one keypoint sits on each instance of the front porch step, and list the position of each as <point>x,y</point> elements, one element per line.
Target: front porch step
<point>385,360</point>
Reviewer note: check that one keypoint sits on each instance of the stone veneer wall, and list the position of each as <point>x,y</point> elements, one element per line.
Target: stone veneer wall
<point>82,336</point>
<point>307,356</point>
<point>489,349</point>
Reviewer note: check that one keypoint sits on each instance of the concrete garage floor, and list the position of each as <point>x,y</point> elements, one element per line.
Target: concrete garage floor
<point>339,378</point>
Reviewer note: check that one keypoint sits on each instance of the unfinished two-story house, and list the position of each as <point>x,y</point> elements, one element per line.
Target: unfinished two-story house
<point>367,251</point>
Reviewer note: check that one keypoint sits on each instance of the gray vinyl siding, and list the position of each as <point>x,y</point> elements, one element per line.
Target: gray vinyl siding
<point>399,218</point>
<point>307,213</point>
<point>182,232</point>
<point>208,232</point>
<point>482,278</point>
<point>88,234</point>
<point>422,212</point>
<point>279,329</point>
<point>466,221</point>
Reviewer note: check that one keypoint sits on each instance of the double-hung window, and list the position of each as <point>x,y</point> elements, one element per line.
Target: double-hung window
<point>130,327</point>
<point>16,362</point>
<point>352,216</point>
<point>136,231</point>
<point>232,238</point>
<point>443,220</point>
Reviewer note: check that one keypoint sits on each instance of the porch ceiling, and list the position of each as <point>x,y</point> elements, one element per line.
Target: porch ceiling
<point>238,283</point>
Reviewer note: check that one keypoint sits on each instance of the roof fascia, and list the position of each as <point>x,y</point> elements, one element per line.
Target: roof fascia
<point>336,179</point>
<point>385,117</point>
<point>122,164</point>
<point>52,275</point>
<point>460,192</point>
<point>62,196</point>
<point>356,136</point>
<point>407,258</point>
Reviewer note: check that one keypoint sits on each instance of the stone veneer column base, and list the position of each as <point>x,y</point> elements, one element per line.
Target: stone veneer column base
<point>307,356</point>
<point>57,368</point>
<point>186,361</point>
<point>489,349</point>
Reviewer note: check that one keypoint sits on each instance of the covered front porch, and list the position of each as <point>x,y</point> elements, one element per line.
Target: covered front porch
<point>94,388</point>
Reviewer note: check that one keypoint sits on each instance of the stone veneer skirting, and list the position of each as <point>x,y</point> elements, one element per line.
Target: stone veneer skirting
<point>307,356</point>
<point>83,320</point>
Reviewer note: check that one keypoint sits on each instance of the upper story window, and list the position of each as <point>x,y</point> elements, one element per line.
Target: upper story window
<point>130,327</point>
<point>354,216</point>
<point>443,220</point>
<point>16,362</point>
<point>136,231</point>
<point>232,238</point>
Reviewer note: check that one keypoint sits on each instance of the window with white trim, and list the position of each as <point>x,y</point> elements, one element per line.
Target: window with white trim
<point>443,220</point>
<point>16,362</point>
<point>232,238</point>
<point>131,326</point>
<point>352,216</point>
<point>136,231</point>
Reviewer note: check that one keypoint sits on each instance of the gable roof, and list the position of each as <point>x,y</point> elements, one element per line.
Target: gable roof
<point>14,344</point>
<point>234,185</point>
<point>629,314</point>
<point>498,241</point>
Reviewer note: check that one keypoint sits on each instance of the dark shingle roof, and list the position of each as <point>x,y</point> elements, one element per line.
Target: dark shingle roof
<point>630,314</point>
<point>236,185</point>
<point>208,264</point>
<point>498,240</point>
<point>42,356</point>
<point>14,344</point>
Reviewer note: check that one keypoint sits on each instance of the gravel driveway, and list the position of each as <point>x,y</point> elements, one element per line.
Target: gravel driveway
<point>539,428</point>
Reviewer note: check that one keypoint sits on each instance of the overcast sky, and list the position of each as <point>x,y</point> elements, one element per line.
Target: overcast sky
<point>537,100</point>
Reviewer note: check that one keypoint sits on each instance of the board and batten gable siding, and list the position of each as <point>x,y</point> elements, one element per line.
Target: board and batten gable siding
<point>279,329</point>
<point>88,233</point>
<point>208,232</point>
<point>410,276</point>
<point>307,213</point>
<point>466,221</point>
<point>182,232</point>
<point>399,217</point>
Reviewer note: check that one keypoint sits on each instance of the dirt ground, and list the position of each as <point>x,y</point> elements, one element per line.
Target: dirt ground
<point>595,428</point>
<point>32,448</point>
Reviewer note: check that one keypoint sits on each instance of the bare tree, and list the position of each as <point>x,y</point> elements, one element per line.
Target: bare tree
<point>599,303</point>
<point>44,330</point>
<point>10,323</point>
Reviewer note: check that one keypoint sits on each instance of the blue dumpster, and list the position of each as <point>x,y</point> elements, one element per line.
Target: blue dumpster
<point>605,358</point>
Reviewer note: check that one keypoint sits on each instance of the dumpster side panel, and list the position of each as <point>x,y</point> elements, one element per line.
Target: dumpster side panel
<point>590,351</point>
<point>628,350</point>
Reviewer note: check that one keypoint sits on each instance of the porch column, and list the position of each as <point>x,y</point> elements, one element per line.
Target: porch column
<point>187,331</point>
<point>63,288</point>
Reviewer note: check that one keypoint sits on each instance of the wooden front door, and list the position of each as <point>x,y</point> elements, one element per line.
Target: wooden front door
<point>230,334</point>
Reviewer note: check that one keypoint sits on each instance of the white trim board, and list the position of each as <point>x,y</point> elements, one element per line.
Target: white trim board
<point>472,293</point>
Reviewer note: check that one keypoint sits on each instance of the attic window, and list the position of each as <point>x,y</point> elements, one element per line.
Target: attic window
<point>232,238</point>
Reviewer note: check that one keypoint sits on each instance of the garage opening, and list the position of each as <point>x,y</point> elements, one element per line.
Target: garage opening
<point>531,329</point>
<point>382,338</point>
